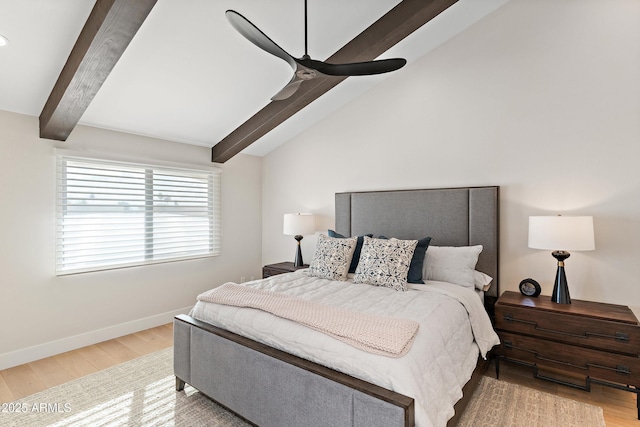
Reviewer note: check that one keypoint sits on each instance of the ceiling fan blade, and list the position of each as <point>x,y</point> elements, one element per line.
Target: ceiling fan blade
<point>303,72</point>
<point>288,90</point>
<point>359,68</point>
<point>257,37</point>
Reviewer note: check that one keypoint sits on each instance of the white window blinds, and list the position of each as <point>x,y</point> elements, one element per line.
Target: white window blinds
<point>112,214</point>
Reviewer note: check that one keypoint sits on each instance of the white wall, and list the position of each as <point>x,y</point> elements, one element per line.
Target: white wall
<point>41,314</point>
<point>541,98</point>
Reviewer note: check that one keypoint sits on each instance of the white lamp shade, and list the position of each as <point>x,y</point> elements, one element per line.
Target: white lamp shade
<point>298,224</point>
<point>574,233</point>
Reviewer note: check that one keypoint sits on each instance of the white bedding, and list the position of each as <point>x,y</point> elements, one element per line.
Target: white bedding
<point>434,371</point>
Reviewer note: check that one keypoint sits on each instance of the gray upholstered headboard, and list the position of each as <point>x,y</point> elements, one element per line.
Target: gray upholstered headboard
<point>451,217</point>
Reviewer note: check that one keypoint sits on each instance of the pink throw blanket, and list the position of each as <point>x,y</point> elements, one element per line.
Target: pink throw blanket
<point>388,336</point>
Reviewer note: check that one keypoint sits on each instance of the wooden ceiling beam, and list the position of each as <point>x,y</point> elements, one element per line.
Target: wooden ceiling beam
<point>108,31</point>
<point>395,25</point>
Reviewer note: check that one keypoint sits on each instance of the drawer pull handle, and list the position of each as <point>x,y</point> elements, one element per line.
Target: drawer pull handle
<point>619,336</point>
<point>546,359</point>
<point>509,345</point>
<point>619,369</point>
<point>552,331</point>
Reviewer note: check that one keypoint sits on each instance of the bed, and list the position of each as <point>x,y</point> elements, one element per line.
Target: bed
<point>269,384</point>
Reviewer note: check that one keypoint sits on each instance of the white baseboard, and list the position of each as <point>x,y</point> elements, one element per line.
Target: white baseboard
<point>40,351</point>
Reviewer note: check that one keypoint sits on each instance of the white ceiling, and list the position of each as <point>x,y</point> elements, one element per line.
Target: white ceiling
<point>187,76</point>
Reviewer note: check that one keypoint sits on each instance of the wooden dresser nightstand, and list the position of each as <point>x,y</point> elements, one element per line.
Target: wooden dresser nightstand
<point>279,268</point>
<point>595,341</point>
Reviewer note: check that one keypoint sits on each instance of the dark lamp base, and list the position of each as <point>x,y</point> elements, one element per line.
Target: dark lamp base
<point>298,261</point>
<point>560,293</point>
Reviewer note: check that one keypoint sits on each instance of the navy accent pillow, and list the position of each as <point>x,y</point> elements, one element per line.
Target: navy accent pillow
<point>415,268</point>
<point>356,253</point>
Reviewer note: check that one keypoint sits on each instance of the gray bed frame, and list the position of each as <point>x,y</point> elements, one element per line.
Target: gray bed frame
<point>268,387</point>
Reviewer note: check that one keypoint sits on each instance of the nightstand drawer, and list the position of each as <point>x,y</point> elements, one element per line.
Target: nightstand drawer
<point>280,268</point>
<point>593,363</point>
<point>268,272</point>
<point>578,330</point>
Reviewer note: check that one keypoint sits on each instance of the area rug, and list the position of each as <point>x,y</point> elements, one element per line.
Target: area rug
<point>499,403</point>
<point>142,392</point>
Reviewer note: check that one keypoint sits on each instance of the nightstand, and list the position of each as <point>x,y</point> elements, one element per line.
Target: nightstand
<point>280,268</point>
<point>594,342</point>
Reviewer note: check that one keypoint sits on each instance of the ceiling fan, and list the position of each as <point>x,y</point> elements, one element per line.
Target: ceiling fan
<point>306,68</point>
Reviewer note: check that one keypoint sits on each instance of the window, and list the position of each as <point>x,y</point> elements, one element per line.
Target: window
<point>112,214</point>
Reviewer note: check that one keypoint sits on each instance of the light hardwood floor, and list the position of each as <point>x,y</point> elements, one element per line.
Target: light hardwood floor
<point>619,406</point>
<point>42,374</point>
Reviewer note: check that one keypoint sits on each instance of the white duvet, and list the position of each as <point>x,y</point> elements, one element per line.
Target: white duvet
<point>454,329</point>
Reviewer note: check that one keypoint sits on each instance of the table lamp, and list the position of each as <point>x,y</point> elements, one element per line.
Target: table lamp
<point>297,225</point>
<point>561,233</point>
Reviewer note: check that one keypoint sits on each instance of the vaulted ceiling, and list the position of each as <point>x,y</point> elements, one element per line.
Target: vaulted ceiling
<point>186,75</point>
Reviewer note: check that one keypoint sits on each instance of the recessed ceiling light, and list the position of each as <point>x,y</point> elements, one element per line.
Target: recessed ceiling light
<point>3,40</point>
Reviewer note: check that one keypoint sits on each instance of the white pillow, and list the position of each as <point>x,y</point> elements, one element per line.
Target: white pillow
<point>482,281</point>
<point>332,257</point>
<point>385,262</point>
<point>453,264</point>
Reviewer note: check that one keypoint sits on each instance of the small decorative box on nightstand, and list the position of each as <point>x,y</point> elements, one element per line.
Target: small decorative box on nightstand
<point>280,268</point>
<point>597,341</point>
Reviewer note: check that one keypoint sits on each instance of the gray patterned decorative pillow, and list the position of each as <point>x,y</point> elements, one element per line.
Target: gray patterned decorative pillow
<point>385,262</point>
<point>332,257</point>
